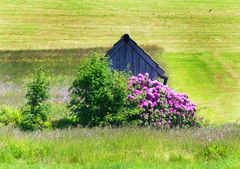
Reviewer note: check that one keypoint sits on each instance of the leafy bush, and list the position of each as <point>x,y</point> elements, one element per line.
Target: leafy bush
<point>9,116</point>
<point>160,105</point>
<point>34,115</point>
<point>98,95</point>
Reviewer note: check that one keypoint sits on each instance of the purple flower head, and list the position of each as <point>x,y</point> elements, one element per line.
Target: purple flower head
<point>136,91</point>
<point>131,97</point>
<point>144,104</point>
<point>140,76</point>
<point>146,75</point>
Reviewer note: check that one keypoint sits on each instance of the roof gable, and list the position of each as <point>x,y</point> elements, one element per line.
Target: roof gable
<point>126,40</point>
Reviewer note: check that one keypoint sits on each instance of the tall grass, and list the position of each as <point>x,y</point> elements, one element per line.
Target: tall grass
<point>121,148</point>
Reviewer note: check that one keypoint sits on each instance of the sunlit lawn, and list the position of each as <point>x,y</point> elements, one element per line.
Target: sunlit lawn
<point>199,25</point>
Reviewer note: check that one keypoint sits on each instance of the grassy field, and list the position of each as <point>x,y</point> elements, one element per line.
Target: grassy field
<point>172,24</point>
<point>137,148</point>
<point>195,41</point>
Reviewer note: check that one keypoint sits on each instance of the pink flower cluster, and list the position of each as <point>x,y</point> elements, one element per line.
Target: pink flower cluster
<point>160,105</point>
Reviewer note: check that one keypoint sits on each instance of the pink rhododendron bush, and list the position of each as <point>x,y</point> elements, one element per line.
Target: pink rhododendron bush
<point>160,105</point>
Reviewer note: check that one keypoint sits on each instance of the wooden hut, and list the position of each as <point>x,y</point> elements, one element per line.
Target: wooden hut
<point>127,55</point>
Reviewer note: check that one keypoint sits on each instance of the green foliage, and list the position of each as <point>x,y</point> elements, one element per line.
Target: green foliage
<point>120,148</point>
<point>98,95</point>
<point>31,152</point>
<point>38,89</point>
<point>35,112</point>
<point>64,122</point>
<point>9,116</point>
<point>214,151</point>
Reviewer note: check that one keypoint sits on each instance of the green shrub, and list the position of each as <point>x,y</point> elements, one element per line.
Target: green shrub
<point>98,95</point>
<point>34,115</point>
<point>9,116</point>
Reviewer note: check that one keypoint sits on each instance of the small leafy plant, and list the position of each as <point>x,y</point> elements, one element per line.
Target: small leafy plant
<point>34,115</point>
<point>9,116</point>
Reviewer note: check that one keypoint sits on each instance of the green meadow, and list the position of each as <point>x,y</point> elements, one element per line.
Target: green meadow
<point>197,42</point>
<point>137,148</point>
<point>175,25</point>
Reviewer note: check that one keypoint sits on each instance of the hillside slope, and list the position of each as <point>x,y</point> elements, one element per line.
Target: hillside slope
<point>174,25</point>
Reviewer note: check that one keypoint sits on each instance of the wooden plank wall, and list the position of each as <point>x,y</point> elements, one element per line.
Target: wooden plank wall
<point>128,59</point>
